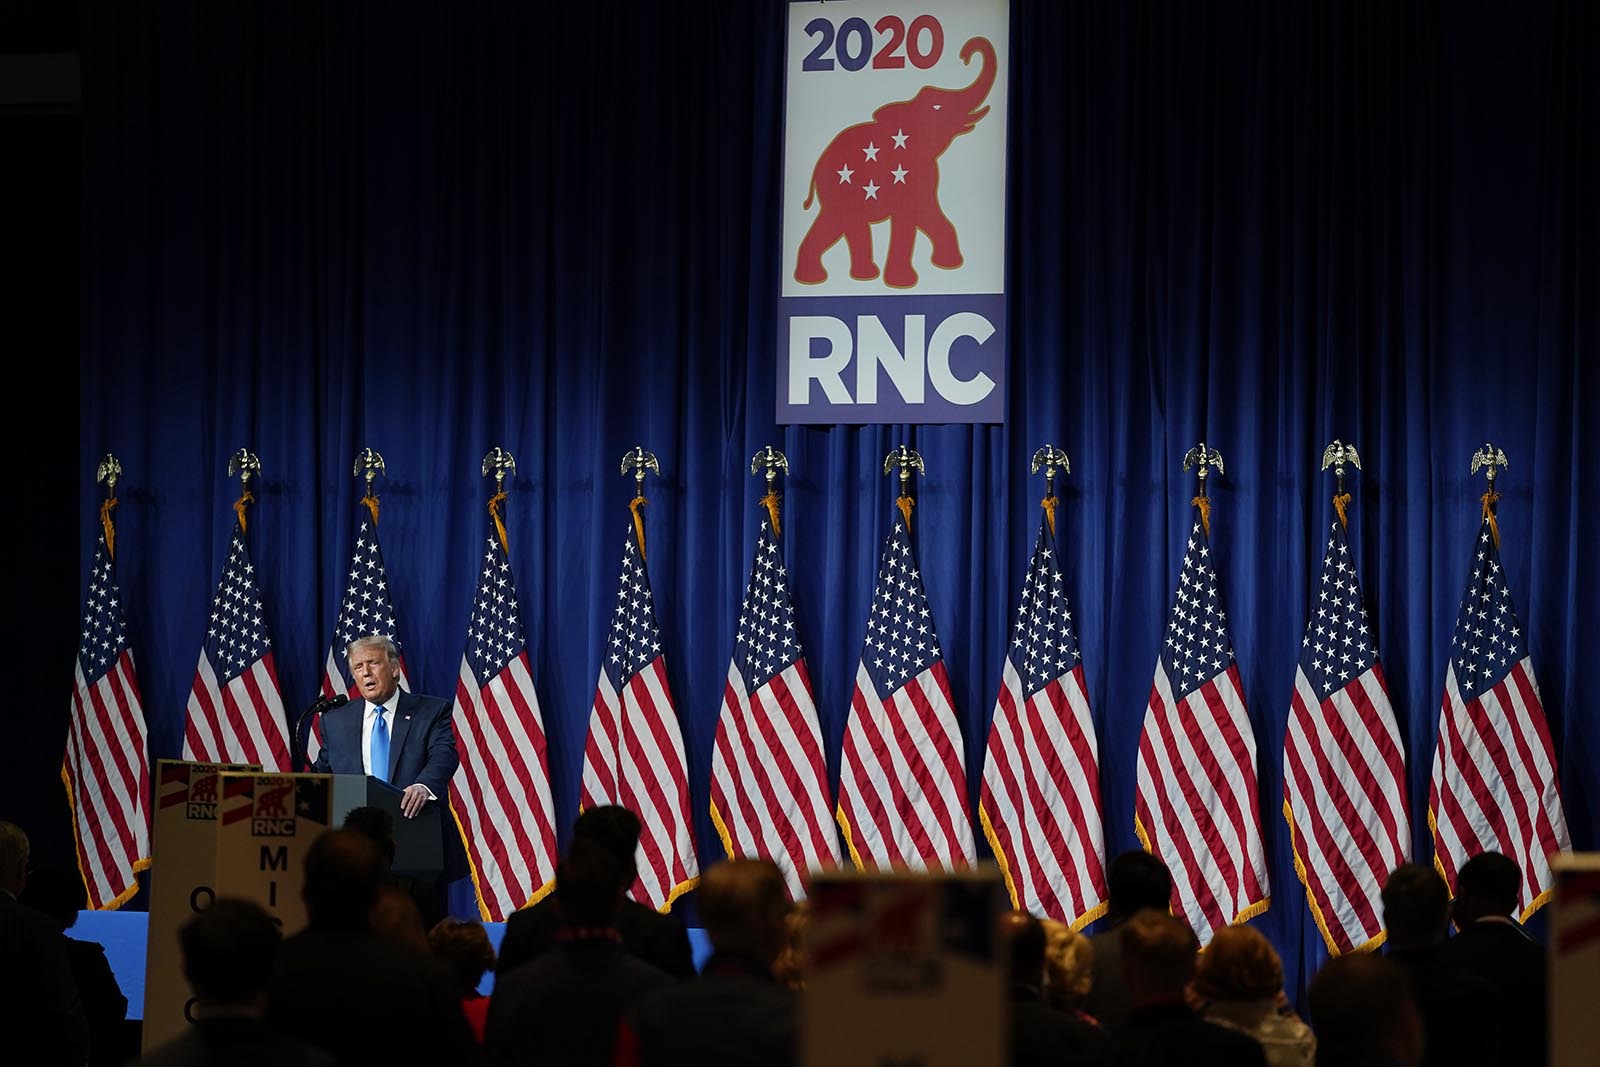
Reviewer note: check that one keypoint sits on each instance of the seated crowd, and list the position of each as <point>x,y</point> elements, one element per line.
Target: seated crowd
<point>587,976</point>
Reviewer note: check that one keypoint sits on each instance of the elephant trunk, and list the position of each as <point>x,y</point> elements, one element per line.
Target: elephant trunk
<point>967,100</point>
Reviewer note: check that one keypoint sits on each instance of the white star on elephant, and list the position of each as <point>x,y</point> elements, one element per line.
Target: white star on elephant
<point>871,190</point>
<point>900,175</point>
<point>900,138</point>
<point>844,174</point>
<point>871,151</point>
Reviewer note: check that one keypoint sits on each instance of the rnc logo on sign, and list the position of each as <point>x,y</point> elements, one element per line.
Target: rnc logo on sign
<point>893,300</point>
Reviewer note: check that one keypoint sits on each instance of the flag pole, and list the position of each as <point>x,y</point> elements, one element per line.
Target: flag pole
<point>1493,458</point>
<point>109,471</point>
<point>774,461</point>
<point>1050,457</point>
<point>638,460</point>
<point>1336,455</point>
<point>369,463</point>
<point>245,464</point>
<point>1203,458</point>
<point>500,463</point>
<point>907,460</point>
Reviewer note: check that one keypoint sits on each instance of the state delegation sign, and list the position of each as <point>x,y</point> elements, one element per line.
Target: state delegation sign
<point>892,307</point>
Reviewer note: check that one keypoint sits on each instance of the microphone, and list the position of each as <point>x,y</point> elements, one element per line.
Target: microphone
<point>320,705</point>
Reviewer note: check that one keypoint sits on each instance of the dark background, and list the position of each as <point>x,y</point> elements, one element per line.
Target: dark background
<point>309,227</point>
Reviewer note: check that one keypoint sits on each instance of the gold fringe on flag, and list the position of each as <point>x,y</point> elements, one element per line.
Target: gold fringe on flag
<point>106,525</point>
<point>771,502</point>
<point>638,520</point>
<point>239,506</point>
<point>1340,502</point>
<point>372,505</point>
<point>1489,500</point>
<point>1049,505</point>
<point>905,504</point>
<point>1204,504</point>
<point>499,524</point>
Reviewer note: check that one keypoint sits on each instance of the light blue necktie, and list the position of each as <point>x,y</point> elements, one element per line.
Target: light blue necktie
<point>380,747</point>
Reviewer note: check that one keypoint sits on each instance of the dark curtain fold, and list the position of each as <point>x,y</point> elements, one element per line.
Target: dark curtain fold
<point>432,229</point>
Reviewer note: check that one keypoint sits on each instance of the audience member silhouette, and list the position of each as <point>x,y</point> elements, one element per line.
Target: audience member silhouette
<point>345,989</point>
<point>1458,1008</point>
<point>1041,1036</point>
<point>41,1016</point>
<point>1135,881</point>
<point>563,1007</point>
<point>228,955</point>
<point>1239,980</point>
<point>464,948</point>
<point>1068,969</point>
<point>378,825</point>
<point>58,894</point>
<point>660,940</point>
<point>1162,1030</point>
<point>1365,1014</point>
<point>1495,947</point>
<point>735,1014</point>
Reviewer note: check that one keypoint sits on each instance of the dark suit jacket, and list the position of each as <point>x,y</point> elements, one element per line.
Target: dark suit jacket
<point>564,1007</point>
<point>367,1000</point>
<point>659,940</point>
<point>1171,1035</point>
<point>1108,999</point>
<point>41,1015</point>
<point>733,1015</point>
<point>234,1042</point>
<point>1513,963</point>
<point>422,742</point>
<point>103,1001</point>
<point>1458,1008</point>
<point>1041,1036</point>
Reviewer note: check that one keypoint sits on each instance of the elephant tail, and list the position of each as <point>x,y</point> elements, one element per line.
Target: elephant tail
<point>811,192</point>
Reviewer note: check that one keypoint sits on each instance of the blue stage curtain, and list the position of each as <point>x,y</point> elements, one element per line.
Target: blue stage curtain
<point>431,229</point>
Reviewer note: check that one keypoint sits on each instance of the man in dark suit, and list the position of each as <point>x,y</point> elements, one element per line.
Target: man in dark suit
<point>403,738</point>
<point>735,1014</point>
<point>1365,1014</point>
<point>1495,947</point>
<point>1158,952</point>
<point>1459,1009</point>
<point>228,952</point>
<point>343,988</point>
<point>1041,1036</point>
<point>1135,880</point>
<point>41,1017</point>
<point>657,939</point>
<point>562,1008</point>
<point>58,894</point>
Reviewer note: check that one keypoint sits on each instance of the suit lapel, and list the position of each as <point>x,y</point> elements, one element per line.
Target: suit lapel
<point>397,736</point>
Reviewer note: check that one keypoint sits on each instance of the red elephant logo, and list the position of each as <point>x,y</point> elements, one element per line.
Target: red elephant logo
<point>889,169</point>
<point>203,790</point>
<point>270,804</point>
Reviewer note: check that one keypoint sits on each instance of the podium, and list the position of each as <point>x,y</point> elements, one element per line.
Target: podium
<point>418,842</point>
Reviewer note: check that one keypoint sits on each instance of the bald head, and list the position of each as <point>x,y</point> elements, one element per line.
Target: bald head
<point>743,903</point>
<point>344,871</point>
<point>1158,953</point>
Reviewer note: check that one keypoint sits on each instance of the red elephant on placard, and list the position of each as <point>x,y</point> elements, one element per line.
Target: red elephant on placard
<point>889,169</point>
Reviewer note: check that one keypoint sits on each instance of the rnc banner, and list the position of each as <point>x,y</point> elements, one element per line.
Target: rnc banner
<point>893,307</point>
<point>265,825</point>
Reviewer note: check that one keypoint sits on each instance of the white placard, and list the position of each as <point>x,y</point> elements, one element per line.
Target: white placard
<point>265,824</point>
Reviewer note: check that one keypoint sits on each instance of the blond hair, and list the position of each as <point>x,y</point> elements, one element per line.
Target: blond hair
<point>1068,965</point>
<point>1239,964</point>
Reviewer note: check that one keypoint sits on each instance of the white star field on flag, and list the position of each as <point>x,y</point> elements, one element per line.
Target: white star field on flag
<point>1196,646</point>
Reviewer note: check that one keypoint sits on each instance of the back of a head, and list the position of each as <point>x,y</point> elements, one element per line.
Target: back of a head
<point>228,952</point>
<point>1239,964</point>
<point>375,824</point>
<point>743,904</point>
<point>591,884</point>
<point>1488,884</point>
<point>1068,965</point>
<point>1135,881</point>
<point>57,892</point>
<point>1362,1008</point>
<point>396,918</point>
<point>1158,953</point>
<point>614,827</point>
<point>1416,906</point>
<point>465,949</point>
<point>1024,935</point>
<point>344,872</point>
<point>14,851</point>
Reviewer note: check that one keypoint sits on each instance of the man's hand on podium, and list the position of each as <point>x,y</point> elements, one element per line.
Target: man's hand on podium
<point>413,798</point>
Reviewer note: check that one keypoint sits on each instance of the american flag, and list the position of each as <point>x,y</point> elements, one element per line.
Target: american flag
<point>1494,785</point>
<point>1344,777</point>
<point>634,756</point>
<point>769,784</point>
<point>1040,802</point>
<point>365,611</point>
<point>107,764</point>
<point>235,709</point>
<point>903,782</point>
<point>1196,804</point>
<point>501,792</point>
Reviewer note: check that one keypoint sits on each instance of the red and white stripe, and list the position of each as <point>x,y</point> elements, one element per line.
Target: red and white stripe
<point>1196,806</point>
<point>903,786</point>
<point>635,757</point>
<point>769,784</point>
<point>1494,784</point>
<point>1040,802</point>
<point>240,722</point>
<point>107,770</point>
<point>1344,793</point>
<point>501,791</point>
